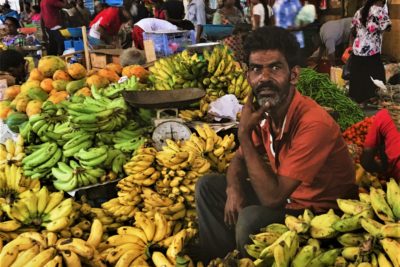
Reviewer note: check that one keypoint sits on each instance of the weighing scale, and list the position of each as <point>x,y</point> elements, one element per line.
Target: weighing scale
<point>166,127</point>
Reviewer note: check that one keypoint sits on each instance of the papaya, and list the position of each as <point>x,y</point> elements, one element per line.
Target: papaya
<point>21,104</point>
<point>77,71</point>
<point>58,97</point>
<point>48,65</point>
<point>97,81</point>
<point>74,86</point>
<point>38,94</point>
<point>25,87</point>
<point>15,119</point>
<point>60,85</point>
<point>61,75</point>
<point>109,74</point>
<point>36,75</point>
<point>91,72</point>
<point>85,91</point>
<point>117,68</point>
<point>33,107</point>
<point>136,70</point>
<point>5,109</point>
<point>46,85</point>
<point>11,92</point>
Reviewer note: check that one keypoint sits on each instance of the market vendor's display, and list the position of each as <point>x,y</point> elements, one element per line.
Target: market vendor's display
<point>318,87</point>
<point>366,232</point>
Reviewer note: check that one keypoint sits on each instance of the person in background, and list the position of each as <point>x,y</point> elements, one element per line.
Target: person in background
<point>196,14</point>
<point>285,12</point>
<point>83,11</point>
<point>36,20</point>
<point>13,67</point>
<point>98,7</point>
<point>368,25</point>
<point>158,10</point>
<point>235,41</point>
<point>50,11</point>
<point>228,14</point>
<point>139,11</point>
<point>383,140</point>
<point>292,154</point>
<point>149,25</point>
<point>333,39</point>
<point>8,12</point>
<point>257,14</point>
<point>105,26</point>
<point>12,37</point>
<point>26,14</point>
<point>174,11</point>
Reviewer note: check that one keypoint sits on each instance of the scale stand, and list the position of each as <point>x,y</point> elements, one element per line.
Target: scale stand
<point>173,128</point>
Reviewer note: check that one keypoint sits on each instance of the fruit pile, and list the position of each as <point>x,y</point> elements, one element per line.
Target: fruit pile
<point>164,181</point>
<point>52,80</point>
<point>356,133</point>
<point>365,235</point>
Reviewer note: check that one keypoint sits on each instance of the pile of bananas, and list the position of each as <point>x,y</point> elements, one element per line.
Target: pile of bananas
<point>12,183</point>
<point>68,177</point>
<point>146,241</point>
<point>177,72</point>
<point>114,90</point>
<point>40,208</point>
<point>38,164</point>
<point>97,114</point>
<point>368,232</point>
<point>12,152</point>
<point>45,124</point>
<point>231,259</point>
<point>36,249</point>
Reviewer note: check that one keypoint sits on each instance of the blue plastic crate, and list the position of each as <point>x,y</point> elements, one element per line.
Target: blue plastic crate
<point>68,44</point>
<point>217,32</point>
<point>169,43</point>
<point>114,2</point>
<point>75,32</point>
<point>78,45</point>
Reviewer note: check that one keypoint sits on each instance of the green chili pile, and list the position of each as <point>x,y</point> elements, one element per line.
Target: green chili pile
<point>320,88</point>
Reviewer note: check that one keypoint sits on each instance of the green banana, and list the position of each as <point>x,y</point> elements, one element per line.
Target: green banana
<point>94,161</point>
<point>351,239</point>
<point>60,175</point>
<point>66,186</point>
<point>52,161</point>
<point>327,258</point>
<point>96,172</point>
<point>40,156</point>
<point>304,257</point>
<point>93,117</point>
<point>393,197</point>
<point>253,250</point>
<point>91,153</point>
<point>73,150</point>
<point>118,163</point>
<point>380,206</point>
<point>75,141</point>
<point>352,223</point>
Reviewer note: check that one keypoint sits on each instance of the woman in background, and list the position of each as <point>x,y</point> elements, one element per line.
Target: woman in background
<point>228,14</point>
<point>368,25</point>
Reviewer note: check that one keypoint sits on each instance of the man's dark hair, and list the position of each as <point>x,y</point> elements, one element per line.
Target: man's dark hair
<point>273,38</point>
<point>14,21</point>
<point>10,59</point>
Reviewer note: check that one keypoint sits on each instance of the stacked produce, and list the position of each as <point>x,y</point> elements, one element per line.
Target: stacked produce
<point>177,72</point>
<point>164,181</point>
<point>367,234</point>
<point>319,87</point>
<point>356,133</point>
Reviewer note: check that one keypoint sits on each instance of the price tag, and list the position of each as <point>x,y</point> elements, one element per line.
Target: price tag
<point>3,87</point>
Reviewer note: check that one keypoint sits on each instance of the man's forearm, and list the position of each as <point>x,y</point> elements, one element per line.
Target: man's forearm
<point>264,181</point>
<point>236,172</point>
<point>199,31</point>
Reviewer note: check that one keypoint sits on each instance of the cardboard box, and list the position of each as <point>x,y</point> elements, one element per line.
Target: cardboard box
<point>101,57</point>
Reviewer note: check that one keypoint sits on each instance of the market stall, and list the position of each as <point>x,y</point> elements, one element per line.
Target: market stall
<point>151,134</point>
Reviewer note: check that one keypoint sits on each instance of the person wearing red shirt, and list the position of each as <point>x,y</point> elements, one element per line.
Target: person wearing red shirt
<point>383,139</point>
<point>105,26</point>
<point>50,11</point>
<point>292,155</point>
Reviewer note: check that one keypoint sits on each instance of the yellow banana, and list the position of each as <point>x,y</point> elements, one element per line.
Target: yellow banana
<point>25,256</point>
<point>42,258</point>
<point>128,257</point>
<point>71,259</point>
<point>76,245</point>
<point>160,260</point>
<point>392,248</point>
<point>146,224</point>
<point>55,262</point>
<point>161,227</point>
<point>37,237</point>
<point>117,240</point>
<point>96,233</point>
<point>10,251</point>
<point>176,246</point>
<point>130,230</point>
<point>9,226</point>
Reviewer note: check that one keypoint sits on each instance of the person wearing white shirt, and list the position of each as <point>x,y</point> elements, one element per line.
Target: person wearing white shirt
<point>149,25</point>
<point>196,13</point>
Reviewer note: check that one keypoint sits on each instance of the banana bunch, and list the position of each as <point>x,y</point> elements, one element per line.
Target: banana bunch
<point>12,151</point>
<point>88,214</point>
<point>231,259</point>
<point>97,113</point>
<point>171,206</point>
<point>221,67</point>
<point>177,72</point>
<point>69,177</point>
<point>240,87</point>
<point>41,208</point>
<point>193,115</point>
<point>114,90</point>
<point>129,140</point>
<point>123,207</point>
<point>12,183</point>
<point>141,169</point>
<point>39,163</point>
<point>46,124</point>
<point>47,249</point>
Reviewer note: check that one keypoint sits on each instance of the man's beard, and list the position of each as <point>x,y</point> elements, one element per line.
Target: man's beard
<point>268,92</point>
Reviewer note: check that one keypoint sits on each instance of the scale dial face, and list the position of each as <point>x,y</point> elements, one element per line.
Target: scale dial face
<point>170,130</point>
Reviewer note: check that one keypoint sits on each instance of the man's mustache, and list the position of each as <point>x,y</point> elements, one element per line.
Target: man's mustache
<point>270,85</point>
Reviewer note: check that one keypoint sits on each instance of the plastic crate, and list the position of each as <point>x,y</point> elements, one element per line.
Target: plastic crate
<point>169,43</point>
<point>114,2</point>
<point>217,32</point>
<point>68,44</point>
<point>75,32</point>
<point>77,45</point>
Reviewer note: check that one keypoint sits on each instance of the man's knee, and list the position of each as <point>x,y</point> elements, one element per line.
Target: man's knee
<point>248,220</point>
<point>207,184</point>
